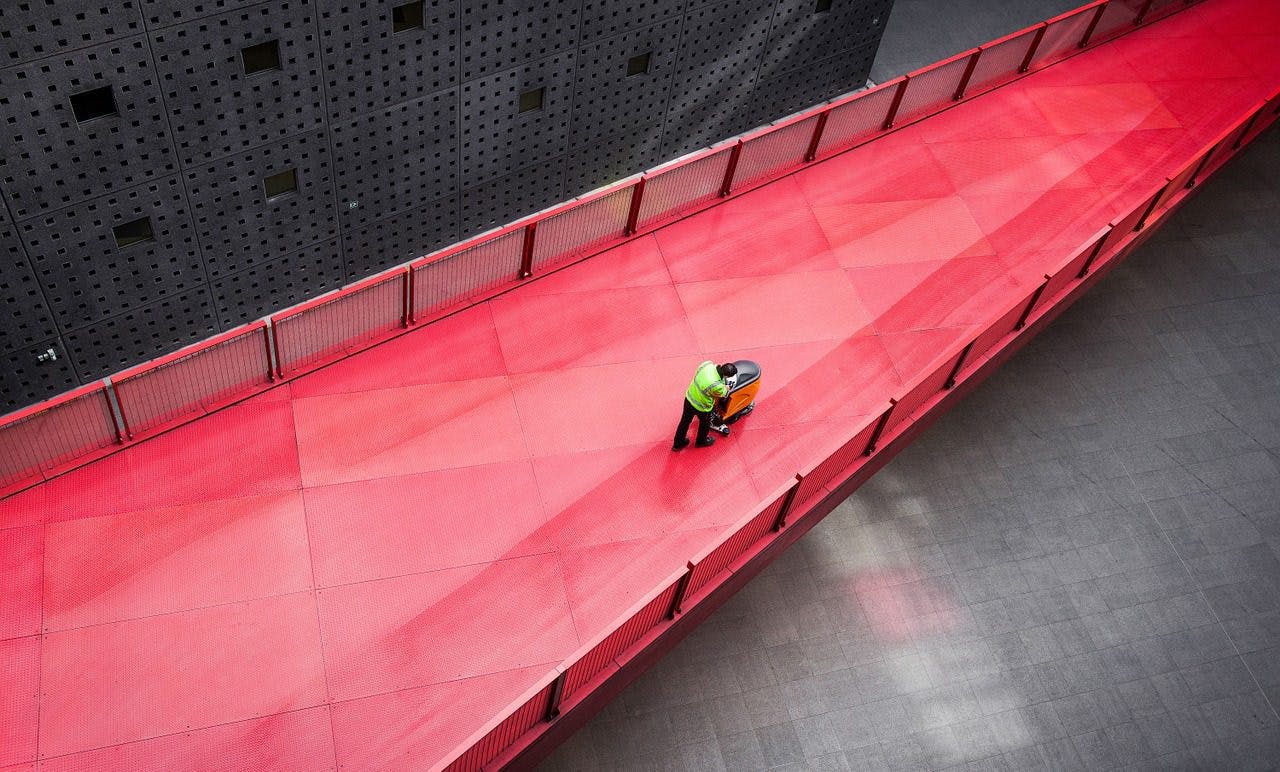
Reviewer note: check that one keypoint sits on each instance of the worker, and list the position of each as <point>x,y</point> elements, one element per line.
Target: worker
<point>707,386</point>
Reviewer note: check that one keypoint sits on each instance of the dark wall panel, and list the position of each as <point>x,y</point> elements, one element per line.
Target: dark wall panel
<point>387,134</point>
<point>239,226</point>
<point>215,108</point>
<point>87,276</point>
<point>51,160</point>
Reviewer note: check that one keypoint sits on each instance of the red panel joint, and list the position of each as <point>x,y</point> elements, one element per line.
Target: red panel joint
<point>734,155</point>
<point>526,255</point>
<point>633,214</point>
<point>879,430</point>
<point>787,502</point>
<point>1035,298</point>
<point>955,371</point>
<point>897,102</point>
<point>812,152</point>
<point>1031,52</point>
<point>1093,24</point>
<point>968,73</point>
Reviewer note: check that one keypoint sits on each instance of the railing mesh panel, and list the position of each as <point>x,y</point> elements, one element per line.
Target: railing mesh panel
<point>1062,38</point>
<point>999,62</point>
<point>54,436</point>
<point>347,321</point>
<point>581,230</point>
<point>769,155</point>
<point>672,192</point>
<point>599,657</point>
<point>196,382</point>
<point>470,273</point>
<point>731,548</point>
<point>857,120</point>
<point>931,90</point>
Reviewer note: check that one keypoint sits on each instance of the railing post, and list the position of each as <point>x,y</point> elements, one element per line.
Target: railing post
<point>812,152</point>
<point>557,695</point>
<point>406,298</point>
<point>1035,298</point>
<point>526,253</point>
<point>633,213</point>
<point>412,300</point>
<point>275,346</point>
<point>266,342</point>
<point>682,588</point>
<point>955,371</point>
<point>1195,176</point>
<point>1248,127</point>
<point>879,430</point>
<point>116,408</point>
<point>727,185</point>
<point>787,502</point>
<point>1142,15</point>
<point>897,102</point>
<point>1035,44</point>
<point>1097,250</point>
<point>1093,24</point>
<point>1151,208</point>
<point>968,73</point>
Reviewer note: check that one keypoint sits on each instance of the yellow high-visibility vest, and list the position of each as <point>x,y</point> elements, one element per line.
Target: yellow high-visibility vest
<point>706,388</point>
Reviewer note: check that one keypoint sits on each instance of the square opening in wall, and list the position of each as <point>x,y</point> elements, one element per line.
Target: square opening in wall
<point>262,57</point>
<point>823,6</point>
<point>638,65</point>
<point>280,184</point>
<point>97,103</point>
<point>406,17</point>
<point>134,232</point>
<point>531,100</point>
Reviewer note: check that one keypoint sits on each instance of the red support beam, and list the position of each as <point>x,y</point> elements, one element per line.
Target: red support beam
<point>633,213</point>
<point>897,102</point>
<point>526,253</point>
<point>727,185</point>
<point>1031,51</point>
<point>787,503</point>
<point>1093,24</point>
<point>968,74</point>
<point>879,430</point>
<point>1031,306</point>
<point>812,152</point>
<point>682,589</point>
<point>955,371</point>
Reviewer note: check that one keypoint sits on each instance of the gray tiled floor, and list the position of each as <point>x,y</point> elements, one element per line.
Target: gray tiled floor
<point>1077,568</point>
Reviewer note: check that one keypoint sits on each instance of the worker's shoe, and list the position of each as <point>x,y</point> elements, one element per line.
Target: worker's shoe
<point>681,445</point>
<point>708,442</point>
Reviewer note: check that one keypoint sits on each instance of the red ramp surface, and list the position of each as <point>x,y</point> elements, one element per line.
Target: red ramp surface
<point>363,566</point>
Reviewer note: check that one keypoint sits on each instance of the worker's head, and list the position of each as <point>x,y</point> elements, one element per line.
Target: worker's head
<point>727,370</point>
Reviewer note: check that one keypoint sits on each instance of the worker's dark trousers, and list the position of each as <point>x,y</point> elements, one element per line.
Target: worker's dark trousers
<point>686,418</point>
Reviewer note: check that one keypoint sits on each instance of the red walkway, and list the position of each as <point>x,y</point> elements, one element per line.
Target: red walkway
<point>360,567</point>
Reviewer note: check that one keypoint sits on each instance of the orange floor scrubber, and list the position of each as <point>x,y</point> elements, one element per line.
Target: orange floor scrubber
<point>741,399</point>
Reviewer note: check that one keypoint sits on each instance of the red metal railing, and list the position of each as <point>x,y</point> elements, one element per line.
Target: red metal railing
<point>40,440</point>
<point>195,380</point>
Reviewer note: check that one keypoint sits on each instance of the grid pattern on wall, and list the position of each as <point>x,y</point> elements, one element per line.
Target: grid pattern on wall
<point>175,168</point>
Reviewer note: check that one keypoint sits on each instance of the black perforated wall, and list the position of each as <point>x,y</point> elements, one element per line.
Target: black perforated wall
<point>160,182</point>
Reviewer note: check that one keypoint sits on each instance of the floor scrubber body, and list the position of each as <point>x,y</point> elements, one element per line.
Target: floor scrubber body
<point>741,399</point>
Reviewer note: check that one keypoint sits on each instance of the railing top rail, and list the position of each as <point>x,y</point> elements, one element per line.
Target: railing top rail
<point>186,351</point>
